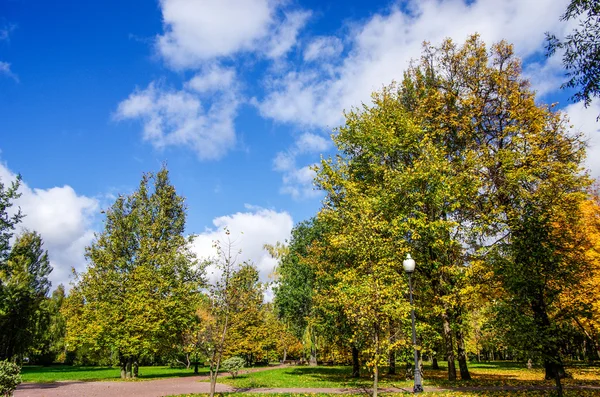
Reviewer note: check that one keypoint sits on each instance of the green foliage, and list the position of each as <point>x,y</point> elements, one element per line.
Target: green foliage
<point>142,283</point>
<point>293,292</point>
<point>8,221</point>
<point>10,377</point>
<point>233,365</point>
<point>580,50</point>
<point>25,284</point>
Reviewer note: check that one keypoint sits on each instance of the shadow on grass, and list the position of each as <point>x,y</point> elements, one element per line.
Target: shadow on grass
<point>40,369</point>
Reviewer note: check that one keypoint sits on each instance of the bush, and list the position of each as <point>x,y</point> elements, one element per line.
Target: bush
<point>10,377</point>
<point>233,365</point>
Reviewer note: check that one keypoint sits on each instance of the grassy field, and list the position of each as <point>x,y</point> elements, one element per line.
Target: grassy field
<point>489,374</point>
<point>480,393</point>
<point>55,373</point>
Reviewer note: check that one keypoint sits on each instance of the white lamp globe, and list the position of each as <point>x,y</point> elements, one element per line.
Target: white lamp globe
<point>409,264</point>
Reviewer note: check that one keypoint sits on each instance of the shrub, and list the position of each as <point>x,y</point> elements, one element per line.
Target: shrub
<point>233,365</point>
<point>10,377</point>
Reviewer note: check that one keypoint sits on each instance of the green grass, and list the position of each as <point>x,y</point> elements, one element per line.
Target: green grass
<point>40,374</point>
<point>479,393</point>
<point>484,375</point>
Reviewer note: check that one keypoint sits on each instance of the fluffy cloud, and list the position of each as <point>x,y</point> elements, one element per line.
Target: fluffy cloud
<point>298,181</point>
<point>583,120</point>
<point>64,220</point>
<point>213,78</point>
<point>323,48</point>
<point>381,48</point>
<point>284,37</point>
<point>249,232</point>
<point>197,31</point>
<point>178,118</point>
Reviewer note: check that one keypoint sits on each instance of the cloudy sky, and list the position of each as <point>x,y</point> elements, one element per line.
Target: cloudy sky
<point>238,96</point>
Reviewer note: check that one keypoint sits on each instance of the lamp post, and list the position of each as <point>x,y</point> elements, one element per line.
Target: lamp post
<point>409,268</point>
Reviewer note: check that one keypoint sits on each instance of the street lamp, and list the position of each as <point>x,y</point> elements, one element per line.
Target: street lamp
<point>409,268</point>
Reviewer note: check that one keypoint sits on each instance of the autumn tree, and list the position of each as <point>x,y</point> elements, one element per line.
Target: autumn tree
<point>528,178</point>
<point>142,282</point>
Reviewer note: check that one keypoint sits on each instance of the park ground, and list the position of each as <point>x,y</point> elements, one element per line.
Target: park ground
<point>489,380</point>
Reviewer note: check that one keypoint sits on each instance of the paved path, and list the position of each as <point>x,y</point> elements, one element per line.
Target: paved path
<point>148,388</point>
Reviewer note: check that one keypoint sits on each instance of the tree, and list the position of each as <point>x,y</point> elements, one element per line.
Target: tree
<point>8,221</point>
<point>528,179</point>
<point>294,289</point>
<point>49,344</point>
<point>142,282</point>
<point>581,50</point>
<point>25,285</point>
<point>236,293</point>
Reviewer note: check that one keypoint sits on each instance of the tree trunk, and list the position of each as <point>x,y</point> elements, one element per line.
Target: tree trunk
<point>136,367</point>
<point>447,332</point>
<point>392,367</point>
<point>213,382</point>
<point>128,368</point>
<point>376,367</point>
<point>313,356</point>
<point>284,354</point>
<point>434,362</point>
<point>123,366</point>
<point>355,363</point>
<point>462,357</point>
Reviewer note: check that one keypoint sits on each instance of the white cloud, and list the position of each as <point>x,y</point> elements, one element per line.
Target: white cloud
<point>250,231</point>
<point>213,78</point>
<point>545,77</point>
<point>298,182</point>
<point>381,48</point>
<point>584,121</point>
<point>285,35</point>
<point>198,31</point>
<point>178,118</point>
<point>5,70</point>
<point>323,48</point>
<point>64,220</point>
<point>312,143</point>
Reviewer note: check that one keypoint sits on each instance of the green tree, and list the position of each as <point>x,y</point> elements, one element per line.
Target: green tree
<point>580,50</point>
<point>25,285</point>
<point>528,179</point>
<point>142,282</point>
<point>225,302</point>
<point>294,289</point>
<point>49,343</point>
<point>8,220</point>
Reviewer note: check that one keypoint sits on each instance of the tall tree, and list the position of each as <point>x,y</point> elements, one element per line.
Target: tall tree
<point>8,220</point>
<point>142,281</point>
<point>580,50</point>
<point>25,285</point>
<point>294,288</point>
<point>528,169</point>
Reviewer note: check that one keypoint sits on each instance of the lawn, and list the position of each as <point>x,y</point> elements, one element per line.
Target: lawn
<point>479,393</point>
<point>54,373</point>
<point>488,374</point>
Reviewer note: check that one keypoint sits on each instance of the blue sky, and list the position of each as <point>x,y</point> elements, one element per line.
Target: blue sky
<point>238,96</point>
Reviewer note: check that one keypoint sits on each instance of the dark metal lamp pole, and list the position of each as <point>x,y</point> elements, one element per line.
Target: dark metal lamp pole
<point>409,267</point>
